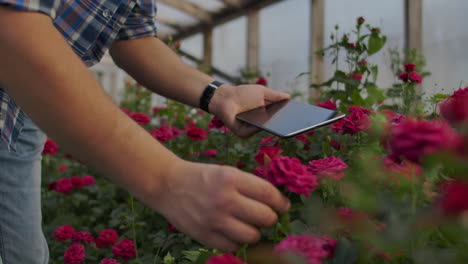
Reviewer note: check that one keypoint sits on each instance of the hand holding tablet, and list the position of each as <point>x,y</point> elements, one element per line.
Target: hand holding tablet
<point>289,118</point>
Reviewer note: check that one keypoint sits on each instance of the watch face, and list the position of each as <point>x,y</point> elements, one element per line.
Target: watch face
<point>289,118</point>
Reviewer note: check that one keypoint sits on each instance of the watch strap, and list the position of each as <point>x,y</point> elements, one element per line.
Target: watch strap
<point>208,94</point>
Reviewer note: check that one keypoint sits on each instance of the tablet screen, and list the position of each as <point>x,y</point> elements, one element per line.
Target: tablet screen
<point>288,118</point>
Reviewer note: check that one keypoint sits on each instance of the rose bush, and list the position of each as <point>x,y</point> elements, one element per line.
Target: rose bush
<point>387,184</point>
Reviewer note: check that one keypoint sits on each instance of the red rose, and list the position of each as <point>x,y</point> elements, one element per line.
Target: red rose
<point>454,197</point>
<point>413,139</point>
<point>357,76</point>
<point>455,108</point>
<point>404,77</point>
<point>163,133</point>
<point>109,261</point>
<point>63,233</point>
<point>262,81</point>
<point>415,77</point>
<point>410,67</point>
<point>106,238</point>
<point>88,180</point>
<point>125,249</point>
<point>195,133</point>
<point>210,153</point>
<point>50,147</point>
<point>75,254</point>
<point>171,227</point>
<point>375,30</point>
<point>62,168</point>
<point>401,168</point>
<point>140,118</point>
<point>260,171</point>
<point>215,123</point>
<point>329,104</point>
<point>355,108</point>
<point>334,144</point>
<point>82,236</point>
<point>291,173</point>
<point>314,249</point>
<point>64,185</point>
<point>331,167</point>
<point>337,126</point>
<point>227,258</point>
<point>361,20</point>
<point>351,45</point>
<point>267,151</point>
<point>240,164</point>
<point>303,138</point>
<point>77,182</point>
<point>125,110</point>
<point>267,140</point>
<point>355,122</point>
<point>363,63</point>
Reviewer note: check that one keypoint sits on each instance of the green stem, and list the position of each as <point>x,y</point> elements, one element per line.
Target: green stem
<point>133,226</point>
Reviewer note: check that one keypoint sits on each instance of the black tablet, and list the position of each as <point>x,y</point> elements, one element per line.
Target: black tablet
<point>289,118</point>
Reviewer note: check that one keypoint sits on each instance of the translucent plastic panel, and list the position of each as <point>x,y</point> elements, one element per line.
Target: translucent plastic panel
<point>230,46</point>
<point>386,14</point>
<point>445,36</point>
<point>172,14</point>
<point>284,44</point>
<point>193,45</point>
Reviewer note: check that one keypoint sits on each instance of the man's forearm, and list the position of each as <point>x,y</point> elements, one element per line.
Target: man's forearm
<point>58,92</point>
<point>157,67</point>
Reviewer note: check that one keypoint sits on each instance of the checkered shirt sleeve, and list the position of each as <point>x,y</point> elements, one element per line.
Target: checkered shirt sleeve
<point>48,7</point>
<point>141,22</point>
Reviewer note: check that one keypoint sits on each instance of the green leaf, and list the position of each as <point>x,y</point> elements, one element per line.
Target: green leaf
<point>203,257</point>
<point>191,255</point>
<point>297,227</point>
<point>376,43</point>
<point>375,71</point>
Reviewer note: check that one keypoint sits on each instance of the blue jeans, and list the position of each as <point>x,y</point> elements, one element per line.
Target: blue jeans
<point>21,237</point>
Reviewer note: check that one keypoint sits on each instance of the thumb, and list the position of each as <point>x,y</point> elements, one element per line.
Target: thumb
<point>274,96</point>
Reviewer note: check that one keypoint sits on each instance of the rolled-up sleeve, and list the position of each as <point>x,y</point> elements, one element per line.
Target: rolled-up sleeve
<point>141,22</point>
<point>48,7</point>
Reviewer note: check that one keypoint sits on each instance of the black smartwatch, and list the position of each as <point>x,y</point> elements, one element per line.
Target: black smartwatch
<point>208,94</point>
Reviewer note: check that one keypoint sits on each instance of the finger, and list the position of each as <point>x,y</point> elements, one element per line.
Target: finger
<point>221,242</point>
<point>254,213</point>
<point>237,231</point>
<point>261,190</point>
<point>274,96</point>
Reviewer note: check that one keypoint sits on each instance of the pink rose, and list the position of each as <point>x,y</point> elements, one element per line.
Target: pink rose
<point>210,153</point>
<point>303,139</point>
<point>77,182</point>
<point>334,144</point>
<point>50,147</point>
<point>410,67</point>
<point>215,123</point>
<point>403,76</point>
<point>109,261</point>
<point>361,20</point>
<point>82,236</point>
<point>291,173</point>
<point>413,139</point>
<point>163,133</point>
<point>267,151</point>
<point>260,171</point>
<point>331,167</point>
<point>227,258</point>
<point>195,133</point>
<point>267,140</point>
<point>75,254</point>
<point>106,238</point>
<point>125,249</point>
<point>63,233</point>
<point>64,185</point>
<point>329,104</point>
<point>454,197</point>
<point>140,118</point>
<point>402,168</point>
<point>357,108</point>
<point>312,248</point>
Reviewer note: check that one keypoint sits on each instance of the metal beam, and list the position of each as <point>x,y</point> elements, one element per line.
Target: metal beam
<point>233,3</point>
<point>414,24</point>
<point>208,47</point>
<point>253,40</point>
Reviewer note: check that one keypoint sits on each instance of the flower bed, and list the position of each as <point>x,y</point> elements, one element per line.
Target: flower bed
<point>384,185</point>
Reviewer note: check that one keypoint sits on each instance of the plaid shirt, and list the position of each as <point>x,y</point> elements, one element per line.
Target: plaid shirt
<point>90,27</point>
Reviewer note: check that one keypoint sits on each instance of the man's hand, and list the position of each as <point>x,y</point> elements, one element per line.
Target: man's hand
<point>220,206</point>
<point>228,101</point>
